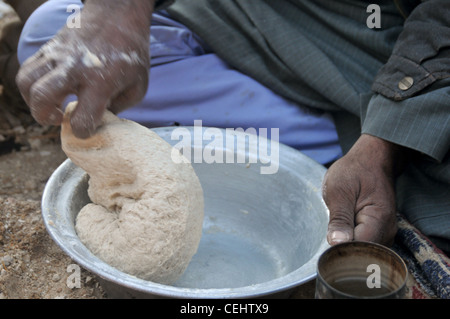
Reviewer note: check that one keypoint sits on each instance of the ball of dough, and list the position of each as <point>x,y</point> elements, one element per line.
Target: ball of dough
<point>147,206</point>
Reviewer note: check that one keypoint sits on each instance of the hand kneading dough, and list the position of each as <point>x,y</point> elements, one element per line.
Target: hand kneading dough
<point>147,211</point>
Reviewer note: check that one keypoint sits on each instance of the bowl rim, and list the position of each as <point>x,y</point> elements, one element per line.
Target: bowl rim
<point>74,248</point>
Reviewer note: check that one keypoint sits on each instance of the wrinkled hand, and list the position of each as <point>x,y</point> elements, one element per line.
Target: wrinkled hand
<point>359,192</point>
<point>105,63</point>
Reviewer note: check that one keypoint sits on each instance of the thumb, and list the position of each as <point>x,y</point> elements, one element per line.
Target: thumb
<point>339,232</point>
<point>342,212</point>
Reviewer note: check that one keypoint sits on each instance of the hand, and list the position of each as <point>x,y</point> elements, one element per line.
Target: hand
<point>359,192</point>
<point>105,63</point>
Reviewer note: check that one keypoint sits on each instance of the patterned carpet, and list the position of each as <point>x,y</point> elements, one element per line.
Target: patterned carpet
<point>429,267</point>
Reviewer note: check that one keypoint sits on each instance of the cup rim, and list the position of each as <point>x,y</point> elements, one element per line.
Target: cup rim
<point>362,243</point>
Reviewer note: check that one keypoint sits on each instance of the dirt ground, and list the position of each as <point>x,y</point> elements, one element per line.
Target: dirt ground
<point>31,264</point>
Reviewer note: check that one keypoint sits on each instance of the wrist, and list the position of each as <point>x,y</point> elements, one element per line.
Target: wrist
<point>137,11</point>
<point>375,152</point>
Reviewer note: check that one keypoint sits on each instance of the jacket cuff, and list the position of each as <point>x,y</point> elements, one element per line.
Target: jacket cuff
<point>421,55</point>
<point>419,123</point>
<point>401,83</point>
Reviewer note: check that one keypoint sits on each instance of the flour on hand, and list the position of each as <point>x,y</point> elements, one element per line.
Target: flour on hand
<point>146,214</point>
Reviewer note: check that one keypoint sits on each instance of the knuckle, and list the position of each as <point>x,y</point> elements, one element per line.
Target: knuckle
<point>342,217</point>
<point>23,79</point>
<point>38,94</point>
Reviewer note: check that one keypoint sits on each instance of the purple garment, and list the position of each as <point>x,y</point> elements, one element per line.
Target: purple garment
<point>189,82</point>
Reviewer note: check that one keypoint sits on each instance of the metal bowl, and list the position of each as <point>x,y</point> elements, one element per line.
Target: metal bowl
<point>262,233</point>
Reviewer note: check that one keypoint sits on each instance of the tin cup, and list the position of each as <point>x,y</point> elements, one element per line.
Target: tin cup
<point>360,270</point>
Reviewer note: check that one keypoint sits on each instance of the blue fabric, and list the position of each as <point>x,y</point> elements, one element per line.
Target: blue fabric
<point>189,82</point>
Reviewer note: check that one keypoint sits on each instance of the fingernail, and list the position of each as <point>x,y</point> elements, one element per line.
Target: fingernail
<point>339,237</point>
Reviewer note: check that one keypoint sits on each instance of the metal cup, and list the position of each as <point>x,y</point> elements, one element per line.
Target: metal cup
<point>360,270</point>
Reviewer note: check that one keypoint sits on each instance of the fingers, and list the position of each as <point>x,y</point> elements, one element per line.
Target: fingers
<point>44,83</point>
<point>131,95</point>
<point>58,70</point>
<point>376,224</point>
<point>361,208</point>
<point>47,95</point>
<point>88,114</point>
<point>93,100</point>
<point>31,71</point>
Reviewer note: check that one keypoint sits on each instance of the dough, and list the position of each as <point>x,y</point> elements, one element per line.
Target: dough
<point>146,214</point>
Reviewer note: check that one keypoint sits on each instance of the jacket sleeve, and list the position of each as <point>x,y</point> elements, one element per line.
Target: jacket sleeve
<point>411,106</point>
<point>162,4</point>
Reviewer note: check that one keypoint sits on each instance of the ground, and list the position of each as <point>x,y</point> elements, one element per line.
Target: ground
<point>31,264</point>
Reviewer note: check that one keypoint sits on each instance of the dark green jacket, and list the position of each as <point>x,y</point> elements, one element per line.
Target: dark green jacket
<point>392,82</point>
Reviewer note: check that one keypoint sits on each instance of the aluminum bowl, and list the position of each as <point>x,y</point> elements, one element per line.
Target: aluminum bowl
<point>262,233</point>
